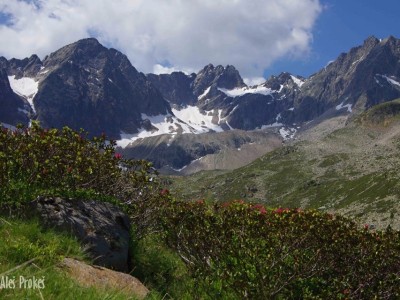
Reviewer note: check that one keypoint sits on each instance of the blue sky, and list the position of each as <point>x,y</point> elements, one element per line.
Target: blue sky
<point>259,37</point>
<point>343,24</point>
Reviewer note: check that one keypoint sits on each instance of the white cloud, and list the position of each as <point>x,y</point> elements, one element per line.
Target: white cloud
<point>253,80</point>
<point>186,34</point>
<point>160,69</point>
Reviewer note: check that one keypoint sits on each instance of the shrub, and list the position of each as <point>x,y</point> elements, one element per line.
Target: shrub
<point>36,161</point>
<point>283,253</point>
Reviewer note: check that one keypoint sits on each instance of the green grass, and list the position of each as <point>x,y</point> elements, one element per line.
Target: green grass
<point>157,266</point>
<point>24,240</point>
<point>348,170</point>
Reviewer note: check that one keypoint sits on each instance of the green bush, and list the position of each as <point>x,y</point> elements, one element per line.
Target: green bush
<point>231,250</point>
<point>36,161</point>
<point>283,254</point>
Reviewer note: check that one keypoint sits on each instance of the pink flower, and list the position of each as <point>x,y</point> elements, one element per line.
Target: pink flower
<point>366,226</point>
<point>118,155</point>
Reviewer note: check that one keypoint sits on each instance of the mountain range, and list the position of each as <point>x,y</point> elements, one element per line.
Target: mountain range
<point>86,85</point>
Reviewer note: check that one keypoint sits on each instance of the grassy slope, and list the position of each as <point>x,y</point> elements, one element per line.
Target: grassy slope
<point>351,170</point>
<point>22,241</point>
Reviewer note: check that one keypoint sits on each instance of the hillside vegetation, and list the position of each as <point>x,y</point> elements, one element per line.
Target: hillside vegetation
<point>183,249</point>
<point>351,169</point>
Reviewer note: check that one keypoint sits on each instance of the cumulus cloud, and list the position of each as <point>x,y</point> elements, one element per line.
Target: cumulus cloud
<point>175,34</point>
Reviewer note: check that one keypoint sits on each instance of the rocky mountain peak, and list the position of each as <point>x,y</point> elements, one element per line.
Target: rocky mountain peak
<point>27,67</point>
<point>86,85</point>
<point>76,53</point>
<point>371,41</point>
<point>223,77</point>
<point>175,87</point>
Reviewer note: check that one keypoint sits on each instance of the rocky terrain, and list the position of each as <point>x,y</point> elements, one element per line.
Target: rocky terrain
<point>344,164</point>
<point>189,153</point>
<point>85,85</point>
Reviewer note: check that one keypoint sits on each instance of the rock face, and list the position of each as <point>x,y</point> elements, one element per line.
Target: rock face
<point>13,109</point>
<point>175,87</point>
<point>86,85</point>
<point>226,78</point>
<point>363,77</point>
<point>102,278</point>
<point>27,67</point>
<point>101,227</point>
<point>177,153</point>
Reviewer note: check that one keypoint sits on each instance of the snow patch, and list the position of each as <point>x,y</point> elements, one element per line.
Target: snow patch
<point>390,80</point>
<point>25,87</point>
<point>184,167</point>
<point>276,124</point>
<point>191,115</point>
<point>186,120</point>
<point>341,105</point>
<point>297,81</point>
<point>204,93</point>
<point>287,133</point>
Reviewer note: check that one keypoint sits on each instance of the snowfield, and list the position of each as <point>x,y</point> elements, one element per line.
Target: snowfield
<point>186,120</point>
<point>25,87</point>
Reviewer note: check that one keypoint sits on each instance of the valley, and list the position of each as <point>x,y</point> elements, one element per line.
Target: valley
<point>346,165</point>
<point>330,141</point>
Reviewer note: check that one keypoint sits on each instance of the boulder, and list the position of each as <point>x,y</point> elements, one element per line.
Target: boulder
<point>102,228</point>
<point>99,277</point>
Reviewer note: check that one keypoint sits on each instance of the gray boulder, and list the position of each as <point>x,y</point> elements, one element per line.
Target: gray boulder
<point>102,228</point>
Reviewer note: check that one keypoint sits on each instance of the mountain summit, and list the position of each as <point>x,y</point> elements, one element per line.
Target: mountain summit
<point>84,84</point>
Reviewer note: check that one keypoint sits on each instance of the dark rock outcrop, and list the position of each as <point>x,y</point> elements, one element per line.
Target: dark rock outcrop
<point>227,78</point>
<point>27,67</point>
<point>13,109</point>
<point>89,86</point>
<point>175,87</point>
<point>101,227</point>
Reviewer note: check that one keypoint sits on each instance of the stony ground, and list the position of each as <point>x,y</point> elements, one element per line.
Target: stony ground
<point>340,165</point>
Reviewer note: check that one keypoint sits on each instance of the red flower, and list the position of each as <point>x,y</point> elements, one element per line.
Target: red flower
<point>164,192</point>
<point>118,155</point>
<point>366,226</point>
<point>260,208</point>
<point>225,204</point>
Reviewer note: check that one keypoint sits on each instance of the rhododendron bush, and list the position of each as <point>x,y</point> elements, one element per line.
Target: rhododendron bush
<point>36,161</point>
<point>234,250</point>
<point>283,253</point>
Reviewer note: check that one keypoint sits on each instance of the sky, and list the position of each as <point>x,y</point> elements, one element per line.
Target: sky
<point>259,37</point>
